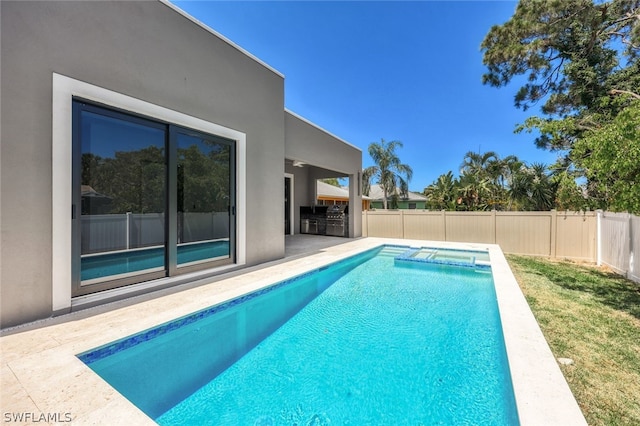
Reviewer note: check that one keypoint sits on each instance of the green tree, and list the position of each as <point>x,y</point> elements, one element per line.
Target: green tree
<point>506,170</point>
<point>331,181</point>
<point>570,51</point>
<point>533,188</point>
<point>568,194</point>
<point>203,178</point>
<point>483,180</point>
<point>581,63</point>
<point>488,182</point>
<point>473,191</point>
<point>442,193</point>
<point>477,163</point>
<point>133,180</point>
<point>389,172</point>
<point>610,156</point>
<point>500,173</point>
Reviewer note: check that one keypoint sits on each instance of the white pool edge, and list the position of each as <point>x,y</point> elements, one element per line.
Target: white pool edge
<point>41,374</point>
<point>543,396</point>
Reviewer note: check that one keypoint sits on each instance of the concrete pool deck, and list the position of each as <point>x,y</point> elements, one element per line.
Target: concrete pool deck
<point>42,381</point>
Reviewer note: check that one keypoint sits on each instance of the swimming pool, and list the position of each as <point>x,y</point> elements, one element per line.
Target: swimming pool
<point>465,258</point>
<point>425,345</point>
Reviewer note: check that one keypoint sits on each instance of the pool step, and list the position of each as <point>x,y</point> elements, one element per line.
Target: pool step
<point>432,256</point>
<point>392,251</point>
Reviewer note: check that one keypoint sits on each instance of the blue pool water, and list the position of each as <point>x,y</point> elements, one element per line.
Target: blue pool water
<point>465,258</point>
<point>364,341</point>
<point>108,264</point>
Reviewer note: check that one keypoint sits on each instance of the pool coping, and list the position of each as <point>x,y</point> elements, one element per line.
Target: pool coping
<point>408,256</point>
<point>42,380</point>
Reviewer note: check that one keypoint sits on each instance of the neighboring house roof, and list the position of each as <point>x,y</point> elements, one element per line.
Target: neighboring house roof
<point>88,191</point>
<point>330,191</point>
<point>376,193</point>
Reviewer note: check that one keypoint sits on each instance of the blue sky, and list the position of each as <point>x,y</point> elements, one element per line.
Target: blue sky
<point>365,71</point>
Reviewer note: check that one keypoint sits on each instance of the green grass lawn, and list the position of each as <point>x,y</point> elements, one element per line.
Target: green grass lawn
<point>592,317</point>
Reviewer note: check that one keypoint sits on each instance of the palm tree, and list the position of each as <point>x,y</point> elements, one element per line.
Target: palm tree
<point>473,190</point>
<point>533,188</point>
<point>441,194</point>
<point>477,164</point>
<point>388,172</point>
<point>542,188</point>
<point>478,177</point>
<point>501,172</point>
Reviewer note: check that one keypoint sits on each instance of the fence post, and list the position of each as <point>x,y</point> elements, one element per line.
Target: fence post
<point>632,266</point>
<point>402,222</point>
<point>493,225</point>
<point>554,231</point>
<point>598,237</point>
<point>443,214</point>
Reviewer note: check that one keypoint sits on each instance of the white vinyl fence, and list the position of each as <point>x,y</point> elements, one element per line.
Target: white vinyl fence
<point>619,243</point>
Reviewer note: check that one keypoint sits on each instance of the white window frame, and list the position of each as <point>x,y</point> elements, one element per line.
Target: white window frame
<point>64,89</point>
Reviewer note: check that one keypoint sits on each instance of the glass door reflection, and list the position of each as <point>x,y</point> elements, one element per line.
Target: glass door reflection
<point>204,198</point>
<point>151,199</point>
<point>121,197</point>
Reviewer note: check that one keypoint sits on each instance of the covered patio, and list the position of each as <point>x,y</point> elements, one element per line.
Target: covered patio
<point>312,153</point>
<point>300,245</point>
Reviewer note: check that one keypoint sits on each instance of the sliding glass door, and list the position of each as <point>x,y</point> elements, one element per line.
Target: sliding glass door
<point>151,199</point>
<point>204,194</point>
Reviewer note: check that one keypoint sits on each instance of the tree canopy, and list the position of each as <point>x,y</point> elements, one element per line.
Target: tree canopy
<point>610,157</point>
<point>332,181</point>
<point>488,182</point>
<point>580,63</point>
<point>135,181</point>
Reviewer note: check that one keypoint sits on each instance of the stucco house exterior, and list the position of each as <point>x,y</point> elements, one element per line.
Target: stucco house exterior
<point>141,150</point>
<point>412,200</point>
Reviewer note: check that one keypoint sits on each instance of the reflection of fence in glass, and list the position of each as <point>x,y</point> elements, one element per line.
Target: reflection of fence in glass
<point>202,226</point>
<point>111,232</point>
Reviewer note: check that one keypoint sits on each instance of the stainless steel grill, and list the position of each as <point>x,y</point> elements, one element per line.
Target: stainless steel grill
<point>325,220</point>
<point>338,221</point>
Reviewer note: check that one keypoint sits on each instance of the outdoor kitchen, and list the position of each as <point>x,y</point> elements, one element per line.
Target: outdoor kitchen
<point>330,220</point>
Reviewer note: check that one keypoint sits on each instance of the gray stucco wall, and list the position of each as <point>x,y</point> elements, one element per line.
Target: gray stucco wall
<point>307,143</point>
<point>142,49</point>
<point>326,156</point>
